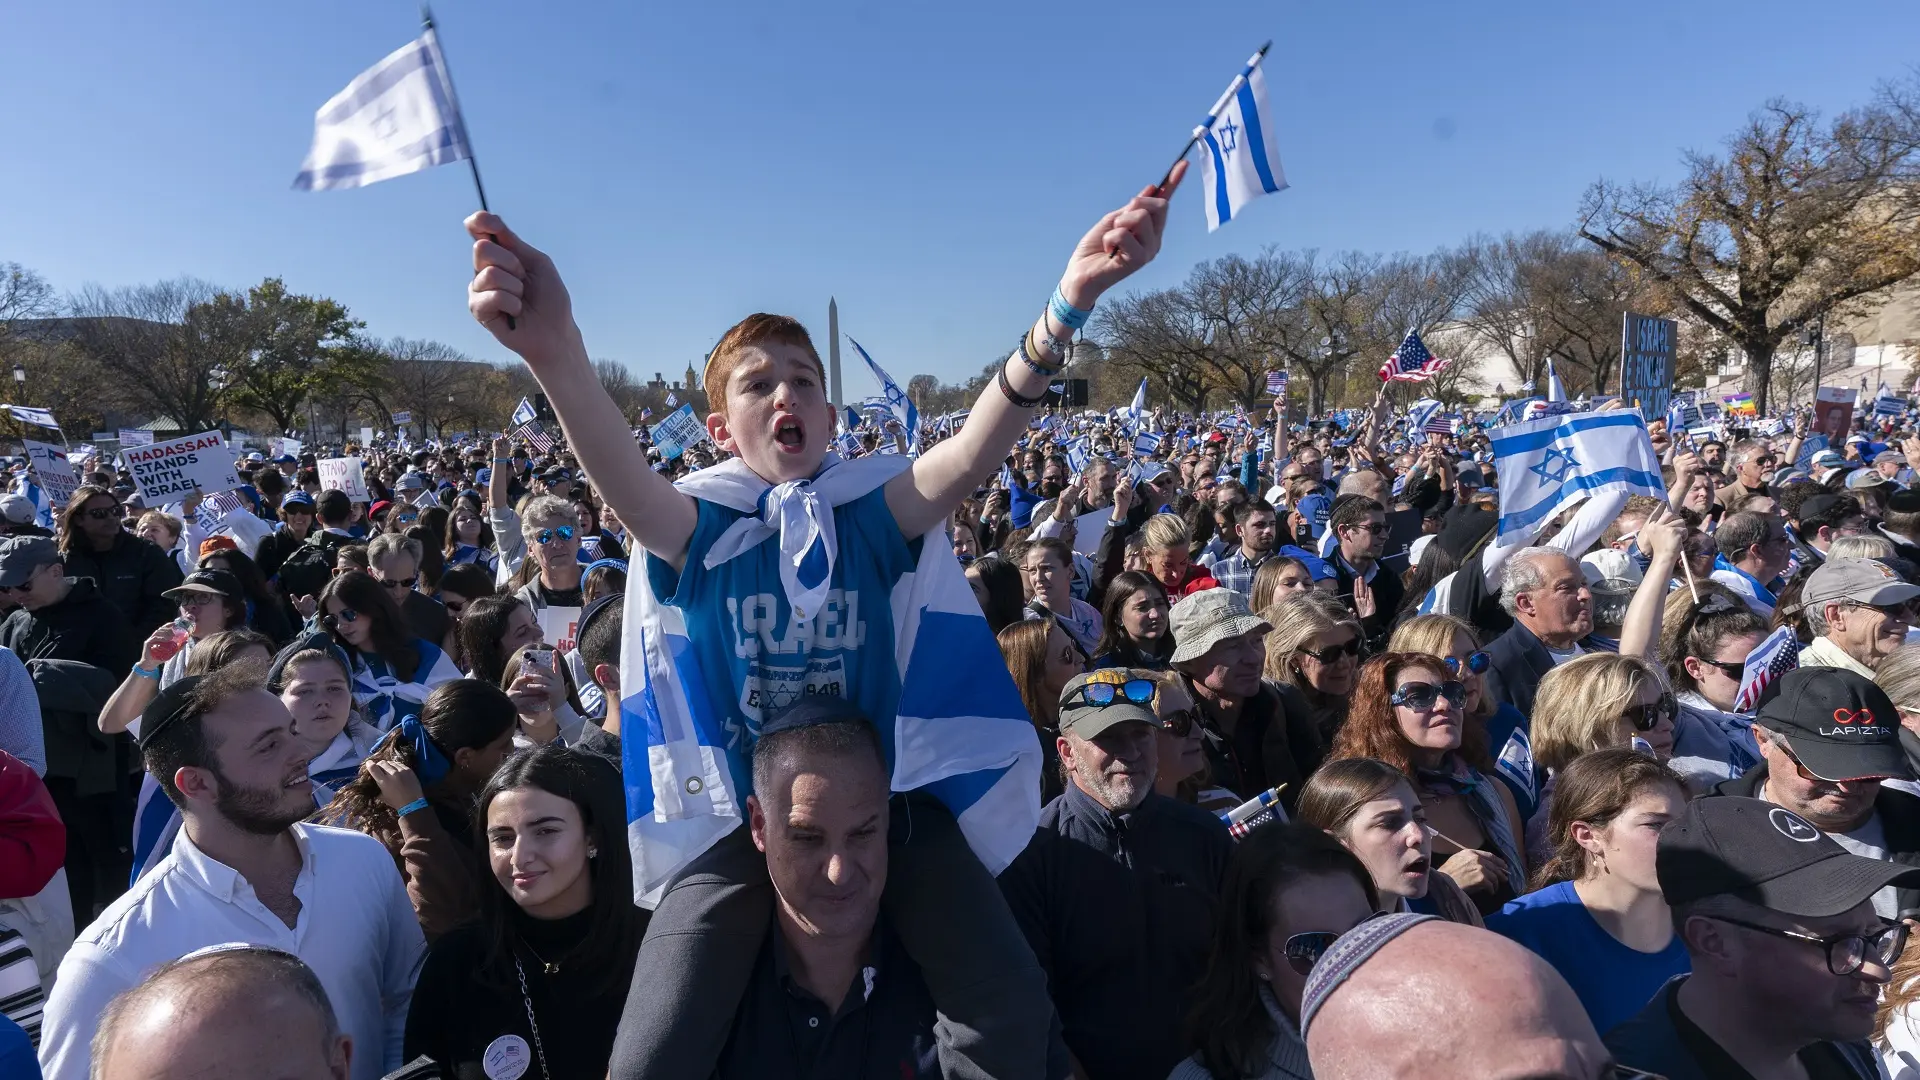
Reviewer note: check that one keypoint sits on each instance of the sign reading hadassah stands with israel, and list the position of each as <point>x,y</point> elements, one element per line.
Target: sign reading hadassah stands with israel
<point>166,471</point>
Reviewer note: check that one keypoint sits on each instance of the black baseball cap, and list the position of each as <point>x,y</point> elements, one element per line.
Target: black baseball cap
<point>1838,724</point>
<point>1726,845</point>
<point>814,709</point>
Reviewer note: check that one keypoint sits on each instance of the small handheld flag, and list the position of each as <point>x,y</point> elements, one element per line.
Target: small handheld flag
<point>1412,362</point>
<point>1276,383</point>
<point>522,413</point>
<point>1769,660</point>
<point>1242,160</point>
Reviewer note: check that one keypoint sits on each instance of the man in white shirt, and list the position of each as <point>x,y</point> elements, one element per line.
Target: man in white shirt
<point>245,869</point>
<point>1858,612</point>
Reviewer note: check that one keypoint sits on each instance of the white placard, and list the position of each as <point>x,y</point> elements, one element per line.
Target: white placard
<point>165,471</point>
<point>346,474</point>
<point>366,437</point>
<point>561,625</point>
<point>53,472</point>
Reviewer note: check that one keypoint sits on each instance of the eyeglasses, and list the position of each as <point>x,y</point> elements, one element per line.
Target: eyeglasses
<point>102,513</point>
<point>1137,691</point>
<point>548,536</point>
<point>1180,723</point>
<point>1377,528</point>
<point>1846,953</point>
<point>1476,662</point>
<point>402,585</point>
<point>1891,611</point>
<point>1423,696</point>
<point>1628,1072</point>
<point>1648,717</point>
<point>1332,653</point>
<point>196,600</point>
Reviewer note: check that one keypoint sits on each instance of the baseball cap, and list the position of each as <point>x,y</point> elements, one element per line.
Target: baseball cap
<point>1726,845</point>
<point>1890,455</point>
<point>297,498</point>
<point>1904,501</point>
<point>410,481</point>
<point>483,476</point>
<point>17,509</point>
<point>1828,459</point>
<point>20,556</point>
<point>1865,478</point>
<point>285,459</point>
<point>556,475</point>
<point>215,582</point>
<point>1837,722</point>
<point>1865,581</point>
<point>1205,619</point>
<point>1083,718</point>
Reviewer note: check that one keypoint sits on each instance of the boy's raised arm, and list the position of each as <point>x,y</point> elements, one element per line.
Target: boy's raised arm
<point>514,279</point>
<point>1118,244</point>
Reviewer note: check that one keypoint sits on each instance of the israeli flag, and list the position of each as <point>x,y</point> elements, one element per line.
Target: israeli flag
<point>522,413</point>
<point>1555,391</point>
<point>395,118</point>
<point>896,400</point>
<point>24,486</point>
<point>673,399</point>
<point>1418,414</point>
<point>1242,160</point>
<point>1146,443</point>
<point>850,420</point>
<point>1548,464</point>
<point>37,417</point>
<point>849,444</point>
<point>1077,457</point>
<point>1139,406</point>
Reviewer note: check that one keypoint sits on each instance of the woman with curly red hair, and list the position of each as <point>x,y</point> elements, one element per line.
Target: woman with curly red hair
<point>1409,711</point>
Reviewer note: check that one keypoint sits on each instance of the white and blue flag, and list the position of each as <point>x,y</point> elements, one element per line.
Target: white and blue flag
<point>1549,464</point>
<point>522,413</point>
<point>1241,159</point>
<point>1146,443</point>
<point>1555,391</point>
<point>673,399</point>
<point>1419,413</point>
<point>27,414</point>
<point>1077,456</point>
<point>896,400</point>
<point>396,117</point>
<point>1139,407</point>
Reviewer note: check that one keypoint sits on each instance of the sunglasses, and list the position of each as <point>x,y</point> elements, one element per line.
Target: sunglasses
<point>548,536</point>
<point>1729,668</point>
<point>1477,663</point>
<point>1648,717</point>
<point>346,615</point>
<point>1180,723</point>
<point>1136,691</point>
<point>1305,949</point>
<point>102,513</point>
<point>1334,652</point>
<point>1422,696</point>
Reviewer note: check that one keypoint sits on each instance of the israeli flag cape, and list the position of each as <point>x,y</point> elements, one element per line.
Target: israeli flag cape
<point>1548,464</point>
<point>383,699</point>
<point>37,495</point>
<point>961,733</point>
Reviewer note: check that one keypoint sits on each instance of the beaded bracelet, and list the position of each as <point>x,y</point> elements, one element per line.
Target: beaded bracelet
<point>1070,317</point>
<point>1013,395</point>
<point>417,804</point>
<point>1033,362</point>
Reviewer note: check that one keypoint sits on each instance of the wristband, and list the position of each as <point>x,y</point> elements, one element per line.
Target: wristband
<point>1070,317</point>
<point>1013,395</point>
<point>503,461</point>
<point>1062,347</point>
<point>417,804</point>
<point>147,673</point>
<point>1033,363</point>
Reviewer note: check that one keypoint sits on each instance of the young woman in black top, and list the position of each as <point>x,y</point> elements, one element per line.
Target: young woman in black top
<point>541,979</point>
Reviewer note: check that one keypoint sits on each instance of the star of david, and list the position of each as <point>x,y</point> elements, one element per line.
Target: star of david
<point>894,396</point>
<point>385,125</point>
<point>1229,139</point>
<point>1551,471</point>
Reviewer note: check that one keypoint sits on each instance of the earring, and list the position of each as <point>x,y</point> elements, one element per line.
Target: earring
<point>593,853</point>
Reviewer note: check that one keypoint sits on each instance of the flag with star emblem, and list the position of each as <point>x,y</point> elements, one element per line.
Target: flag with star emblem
<point>1412,362</point>
<point>397,117</point>
<point>1769,660</point>
<point>1241,158</point>
<point>895,400</point>
<point>1549,464</point>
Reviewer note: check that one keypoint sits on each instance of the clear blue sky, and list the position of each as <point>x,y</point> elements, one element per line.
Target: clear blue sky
<point>929,164</point>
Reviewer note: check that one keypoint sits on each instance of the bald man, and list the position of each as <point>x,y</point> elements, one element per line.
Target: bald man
<point>224,1014</point>
<point>1445,1001</point>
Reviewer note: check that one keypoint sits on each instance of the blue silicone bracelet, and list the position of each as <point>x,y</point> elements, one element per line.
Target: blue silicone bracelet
<point>417,804</point>
<point>1070,317</point>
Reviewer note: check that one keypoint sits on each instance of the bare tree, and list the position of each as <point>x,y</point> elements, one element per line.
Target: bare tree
<point>1795,221</point>
<point>142,340</point>
<point>620,385</point>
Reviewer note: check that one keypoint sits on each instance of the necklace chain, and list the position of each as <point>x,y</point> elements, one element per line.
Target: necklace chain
<point>527,999</point>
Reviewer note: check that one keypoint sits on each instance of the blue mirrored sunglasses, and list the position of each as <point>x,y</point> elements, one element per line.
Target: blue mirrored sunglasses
<point>1137,691</point>
<point>1477,662</point>
<point>547,536</point>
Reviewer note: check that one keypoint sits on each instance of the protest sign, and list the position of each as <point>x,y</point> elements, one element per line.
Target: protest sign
<point>366,436</point>
<point>677,431</point>
<point>561,627</point>
<point>404,416</point>
<point>135,437</point>
<point>286,447</point>
<point>1833,412</point>
<point>1647,347</point>
<point>165,471</point>
<point>344,474</point>
<point>52,469</point>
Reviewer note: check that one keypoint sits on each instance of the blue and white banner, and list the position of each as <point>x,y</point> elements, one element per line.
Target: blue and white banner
<point>395,118</point>
<point>404,416</point>
<point>896,400</point>
<point>1240,159</point>
<point>522,413</point>
<point>26,414</point>
<point>1549,464</point>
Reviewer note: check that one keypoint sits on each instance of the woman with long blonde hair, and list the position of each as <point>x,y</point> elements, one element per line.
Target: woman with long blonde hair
<point>1313,650</point>
<point>1508,731</point>
<point>1042,658</point>
<point>1590,703</point>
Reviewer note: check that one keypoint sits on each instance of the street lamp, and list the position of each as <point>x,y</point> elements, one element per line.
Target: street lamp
<point>20,374</point>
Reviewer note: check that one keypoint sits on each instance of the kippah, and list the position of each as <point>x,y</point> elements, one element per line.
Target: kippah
<point>814,709</point>
<point>1354,948</point>
<point>166,707</point>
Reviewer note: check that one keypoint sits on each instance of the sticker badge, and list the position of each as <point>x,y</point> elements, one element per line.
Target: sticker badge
<point>507,1058</point>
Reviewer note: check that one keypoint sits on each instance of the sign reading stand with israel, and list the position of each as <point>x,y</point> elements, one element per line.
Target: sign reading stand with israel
<point>1549,464</point>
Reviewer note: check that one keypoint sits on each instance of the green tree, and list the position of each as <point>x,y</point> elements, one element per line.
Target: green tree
<point>295,345</point>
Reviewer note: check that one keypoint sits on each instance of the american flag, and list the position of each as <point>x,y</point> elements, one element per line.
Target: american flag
<point>646,414</point>
<point>534,436</point>
<point>215,508</point>
<point>1441,424</point>
<point>1769,660</point>
<point>1276,383</point>
<point>1411,362</point>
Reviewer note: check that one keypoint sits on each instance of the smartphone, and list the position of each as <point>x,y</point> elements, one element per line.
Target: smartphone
<point>541,656</point>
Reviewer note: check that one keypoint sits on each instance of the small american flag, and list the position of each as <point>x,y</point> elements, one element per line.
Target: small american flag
<point>1769,660</point>
<point>1441,424</point>
<point>1411,362</point>
<point>646,414</point>
<point>1276,383</point>
<point>534,435</point>
<point>215,508</point>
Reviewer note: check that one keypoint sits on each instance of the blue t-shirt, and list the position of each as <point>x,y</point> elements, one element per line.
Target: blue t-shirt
<point>755,659</point>
<point>1613,981</point>
<point>16,1053</point>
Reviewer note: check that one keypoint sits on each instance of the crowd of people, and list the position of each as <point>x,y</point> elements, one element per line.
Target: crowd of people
<point>1304,774</point>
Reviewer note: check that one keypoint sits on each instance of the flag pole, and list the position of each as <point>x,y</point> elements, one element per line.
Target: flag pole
<point>453,97</point>
<point>1200,130</point>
